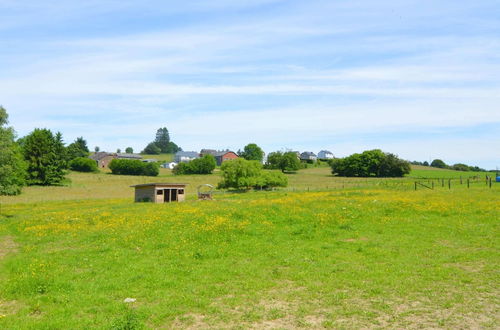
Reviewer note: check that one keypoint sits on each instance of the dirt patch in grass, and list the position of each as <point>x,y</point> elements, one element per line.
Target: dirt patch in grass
<point>424,314</point>
<point>356,239</point>
<point>7,246</point>
<point>189,321</point>
<point>9,307</point>
<point>278,308</point>
<point>470,267</point>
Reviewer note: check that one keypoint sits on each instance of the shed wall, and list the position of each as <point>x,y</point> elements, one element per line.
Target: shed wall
<point>146,192</point>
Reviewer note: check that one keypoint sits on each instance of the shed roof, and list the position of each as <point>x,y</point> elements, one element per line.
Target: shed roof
<point>222,153</point>
<point>159,184</point>
<point>100,155</point>
<point>133,156</point>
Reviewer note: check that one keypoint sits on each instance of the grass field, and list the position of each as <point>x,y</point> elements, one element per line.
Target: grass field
<point>372,254</point>
<point>432,172</point>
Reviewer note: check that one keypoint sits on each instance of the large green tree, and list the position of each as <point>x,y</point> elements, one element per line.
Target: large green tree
<point>252,152</point>
<point>151,149</point>
<point>370,163</point>
<point>162,139</point>
<point>12,165</point>
<point>163,142</point>
<point>284,161</point>
<point>438,163</point>
<point>245,174</point>
<point>77,149</point>
<point>45,164</point>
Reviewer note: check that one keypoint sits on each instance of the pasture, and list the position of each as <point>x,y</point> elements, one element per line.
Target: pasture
<point>347,254</point>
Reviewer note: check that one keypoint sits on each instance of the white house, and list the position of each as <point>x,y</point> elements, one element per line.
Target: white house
<point>325,154</point>
<point>307,155</point>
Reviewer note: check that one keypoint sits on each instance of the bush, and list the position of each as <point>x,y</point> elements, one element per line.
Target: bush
<point>273,179</point>
<point>245,174</point>
<point>372,163</point>
<point>204,165</point>
<point>286,162</point>
<point>438,163</point>
<point>133,167</point>
<point>83,164</point>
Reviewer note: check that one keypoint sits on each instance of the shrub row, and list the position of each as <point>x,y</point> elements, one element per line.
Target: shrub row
<point>133,167</point>
<point>245,174</point>
<point>204,165</point>
<point>83,164</point>
<point>371,163</point>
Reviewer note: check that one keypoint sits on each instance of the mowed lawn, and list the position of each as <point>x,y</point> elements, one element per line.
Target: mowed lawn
<point>346,258</point>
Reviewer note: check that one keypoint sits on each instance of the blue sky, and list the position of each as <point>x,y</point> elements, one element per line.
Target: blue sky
<point>416,78</point>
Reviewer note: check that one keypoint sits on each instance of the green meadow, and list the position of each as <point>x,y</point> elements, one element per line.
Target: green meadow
<point>326,252</point>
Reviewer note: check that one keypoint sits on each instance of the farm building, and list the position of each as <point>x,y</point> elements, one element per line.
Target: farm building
<point>186,156</point>
<point>104,158</point>
<point>204,152</point>
<point>325,154</point>
<point>308,156</point>
<point>160,192</point>
<point>223,156</point>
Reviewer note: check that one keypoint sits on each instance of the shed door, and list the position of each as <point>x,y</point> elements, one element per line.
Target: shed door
<point>166,195</point>
<point>174,195</point>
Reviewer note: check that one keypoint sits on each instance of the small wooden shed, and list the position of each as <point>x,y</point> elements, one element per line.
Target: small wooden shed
<point>160,192</point>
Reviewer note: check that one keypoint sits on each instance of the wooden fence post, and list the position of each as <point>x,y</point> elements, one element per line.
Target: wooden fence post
<point>449,183</point>
<point>468,183</point>
<point>415,185</point>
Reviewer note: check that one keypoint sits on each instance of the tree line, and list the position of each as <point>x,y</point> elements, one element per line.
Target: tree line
<point>438,163</point>
<point>39,158</point>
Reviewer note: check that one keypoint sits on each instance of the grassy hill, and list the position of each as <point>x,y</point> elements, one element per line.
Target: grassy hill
<point>106,185</point>
<point>162,157</point>
<point>433,172</point>
<point>362,253</point>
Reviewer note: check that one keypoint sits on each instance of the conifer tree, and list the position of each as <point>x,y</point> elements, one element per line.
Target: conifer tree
<point>45,165</point>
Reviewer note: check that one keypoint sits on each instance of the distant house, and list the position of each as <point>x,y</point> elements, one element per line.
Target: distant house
<point>204,152</point>
<point>104,158</point>
<point>222,156</point>
<point>185,156</point>
<point>308,156</point>
<point>325,154</point>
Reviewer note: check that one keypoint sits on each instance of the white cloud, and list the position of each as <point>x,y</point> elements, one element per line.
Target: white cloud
<point>301,75</point>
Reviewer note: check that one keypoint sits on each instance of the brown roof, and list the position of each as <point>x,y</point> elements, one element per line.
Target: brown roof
<point>155,184</point>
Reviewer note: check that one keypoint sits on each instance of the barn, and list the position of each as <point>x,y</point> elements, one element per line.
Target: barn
<point>160,192</point>
<point>223,156</point>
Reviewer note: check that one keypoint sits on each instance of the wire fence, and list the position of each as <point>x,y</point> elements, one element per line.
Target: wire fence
<point>403,184</point>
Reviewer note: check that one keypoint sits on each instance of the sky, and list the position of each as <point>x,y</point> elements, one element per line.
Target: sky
<point>420,79</point>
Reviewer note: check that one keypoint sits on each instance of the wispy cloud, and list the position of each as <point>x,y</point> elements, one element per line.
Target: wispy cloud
<point>281,73</point>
